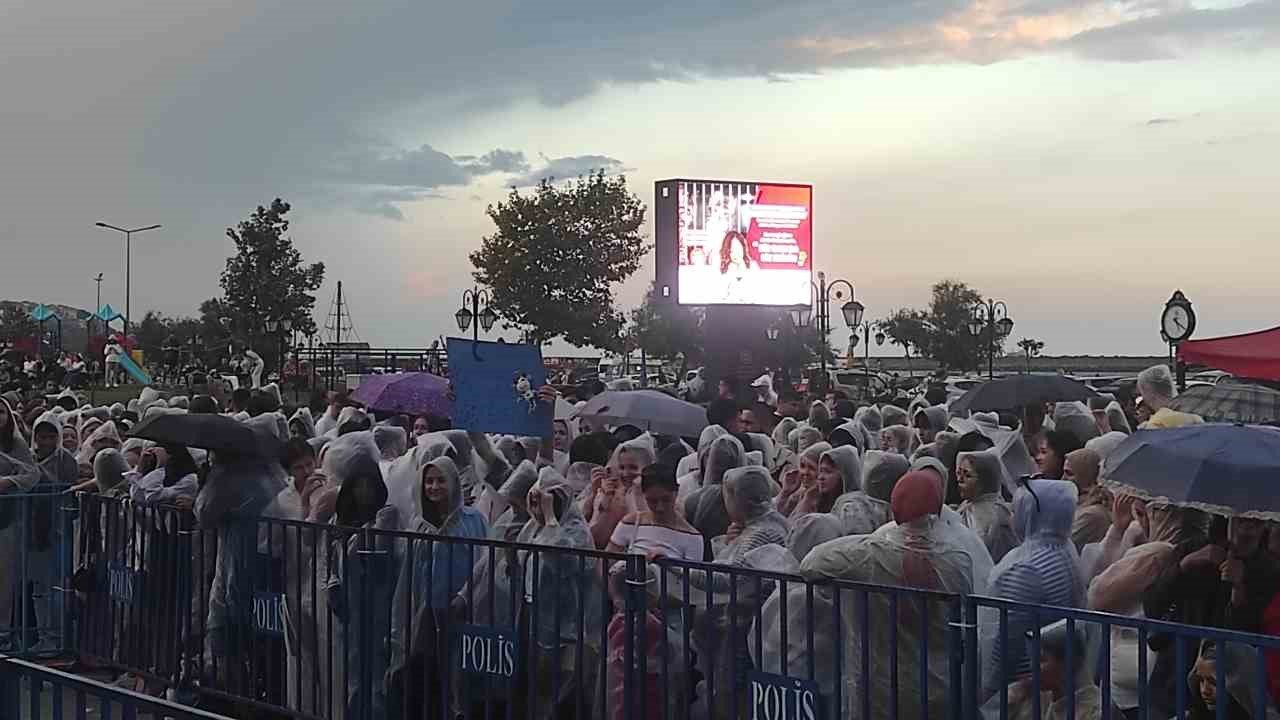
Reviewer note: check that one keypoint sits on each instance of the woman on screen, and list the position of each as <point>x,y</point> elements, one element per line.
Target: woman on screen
<point>735,269</point>
<point>735,259</point>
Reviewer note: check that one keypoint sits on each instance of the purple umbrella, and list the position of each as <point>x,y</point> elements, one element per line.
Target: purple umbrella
<point>415,393</point>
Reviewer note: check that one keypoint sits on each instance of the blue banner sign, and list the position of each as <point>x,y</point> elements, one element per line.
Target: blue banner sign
<point>778,697</point>
<point>268,613</point>
<point>122,583</point>
<point>489,651</point>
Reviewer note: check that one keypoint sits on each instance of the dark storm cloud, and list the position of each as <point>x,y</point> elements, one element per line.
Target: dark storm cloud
<point>190,114</point>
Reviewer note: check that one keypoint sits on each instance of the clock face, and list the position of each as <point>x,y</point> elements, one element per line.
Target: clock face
<point>1176,322</point>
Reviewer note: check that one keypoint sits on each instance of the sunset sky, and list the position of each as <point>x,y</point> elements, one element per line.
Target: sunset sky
<point>1078,159</point>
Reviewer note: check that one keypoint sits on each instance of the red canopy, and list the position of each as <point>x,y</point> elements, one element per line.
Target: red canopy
<point>1251,355</point>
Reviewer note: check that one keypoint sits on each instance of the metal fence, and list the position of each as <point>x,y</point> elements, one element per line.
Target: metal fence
<point>311,621</point>
<point>35,535</point>
<point>32,692</point>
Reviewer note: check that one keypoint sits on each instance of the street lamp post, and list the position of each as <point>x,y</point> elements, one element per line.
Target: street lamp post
<point>97,306</point>
<point>128,243</point>
<point>476,306</point>
<point>821,310</point>
<point>990,320</point>
<point>280,329</point>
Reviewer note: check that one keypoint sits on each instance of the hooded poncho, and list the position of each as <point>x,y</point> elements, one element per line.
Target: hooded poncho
<point>1116,418</point>
<point>303,421</point>
<point>59,467</point>
<point>392,441</point>
<point>705,507</point>
<point>109,471</point>
<point>953,525</point>
<point>689,470</point>
<point>916,553</point>
<point>866,507</point>
<point>1075,418</point>
<point>559,589</point>
<point>935,420</point>
<point>986,513</point>
<point>1043,570</point>
<point>103,436</point>
<point>1156,386</point>
<point>893,416</point>
<point>849,466</point>
<point>872,421</point>
<point>805,437</point>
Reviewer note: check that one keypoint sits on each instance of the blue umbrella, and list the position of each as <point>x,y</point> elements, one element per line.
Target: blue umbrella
<point>1218,468</point>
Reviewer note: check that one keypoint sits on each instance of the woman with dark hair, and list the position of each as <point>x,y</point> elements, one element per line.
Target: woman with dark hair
<point>1051,454</point>
<point>734,254</point>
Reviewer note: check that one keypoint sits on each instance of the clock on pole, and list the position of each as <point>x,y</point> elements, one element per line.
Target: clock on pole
<point>1177,323</point>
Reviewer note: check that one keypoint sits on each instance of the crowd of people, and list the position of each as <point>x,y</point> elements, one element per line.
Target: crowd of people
<point>1006,505</point>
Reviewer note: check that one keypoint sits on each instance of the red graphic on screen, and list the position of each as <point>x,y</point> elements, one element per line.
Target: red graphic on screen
<point>779,234</point>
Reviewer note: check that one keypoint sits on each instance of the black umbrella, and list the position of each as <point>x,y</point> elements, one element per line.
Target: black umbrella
<point>218,433</point>
<point>1011,393</point>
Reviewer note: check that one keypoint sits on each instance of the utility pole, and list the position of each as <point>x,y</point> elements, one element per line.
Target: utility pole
<point>97,305</point>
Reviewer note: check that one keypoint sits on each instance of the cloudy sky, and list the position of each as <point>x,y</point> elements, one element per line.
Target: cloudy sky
<point>1077,158</point>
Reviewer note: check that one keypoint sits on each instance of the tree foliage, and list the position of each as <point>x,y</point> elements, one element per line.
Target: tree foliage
<point>16,323</point>
<point>1030,346</point>
<point>156,328</point>
<point>941,332</point>
<point>266,278</point>
<point>556,256</point>
<point>908,329</point>
<point>665,329</point>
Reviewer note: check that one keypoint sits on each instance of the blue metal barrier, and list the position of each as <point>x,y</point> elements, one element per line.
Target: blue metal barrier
<point>32,692</point>
<point>36,531</point>
<point>320,621</point>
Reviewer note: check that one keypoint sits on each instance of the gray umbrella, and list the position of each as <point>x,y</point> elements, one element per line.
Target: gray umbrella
<point>648,410</point>
<point>1251,404</point>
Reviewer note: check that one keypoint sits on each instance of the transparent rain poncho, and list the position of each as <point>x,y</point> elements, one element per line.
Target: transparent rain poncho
<point>1043,570</point>
<point>690,470</point>
<point>561,592</point>
<point>404,477</point>
<point>872,421</point>
<point>918,553</point>
<point>893,416</point>
<point>1156,386</point>
<point>803,438</point>
<point>1116,418</point>
<point>865,509</point>
<point>987,514</point>
<point>705,507</point>
<point>1075,418</point>
<point>733,598</point>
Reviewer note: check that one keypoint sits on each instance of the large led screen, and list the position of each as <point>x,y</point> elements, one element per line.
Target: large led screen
<point>743,243</point>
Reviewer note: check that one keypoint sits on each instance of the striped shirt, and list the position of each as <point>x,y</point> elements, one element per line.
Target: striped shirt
<point>1044,575</point>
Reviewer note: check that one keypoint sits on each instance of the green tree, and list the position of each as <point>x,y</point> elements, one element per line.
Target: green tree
<point>155,328</point>
<point>16,324</point>
<point>266,278</point>
<point>665,330</point>
<point>556,256</point>
<point>1030,348</point>
<point>907,328</point>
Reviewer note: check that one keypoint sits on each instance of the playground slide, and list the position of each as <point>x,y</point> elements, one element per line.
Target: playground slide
<point>128,365</point>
